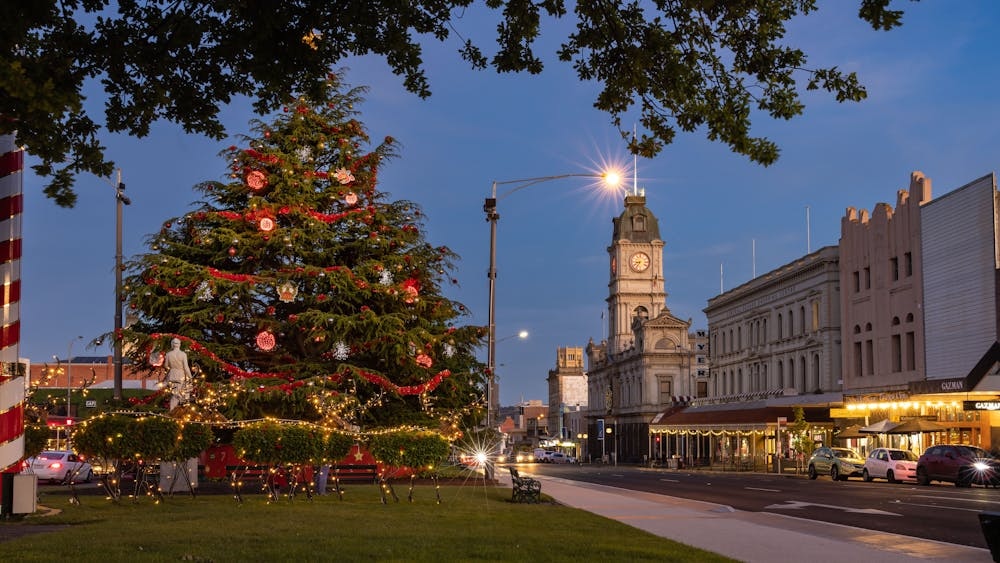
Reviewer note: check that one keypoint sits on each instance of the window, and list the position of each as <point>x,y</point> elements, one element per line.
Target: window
<point>908,264</point>
<point>815,316</point>
<point>779,326</point>
<point>869,358</point>
<point>791,323</point>
<point>857,360</point>
<point>802,320</point>
<point>857,281</point>
<point>894,268</point>
<point>781,375</point>
<point>897,353</point>
<point>868,277</point>
<point>666,391</point>
<point>911,363</point>
<point>638,223</point>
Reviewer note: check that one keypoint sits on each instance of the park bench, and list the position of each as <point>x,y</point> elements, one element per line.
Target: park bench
<point>525,489</point>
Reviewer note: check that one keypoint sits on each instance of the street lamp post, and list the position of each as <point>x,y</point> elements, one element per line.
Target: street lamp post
<point>120,200</point>
<point>490,207</point>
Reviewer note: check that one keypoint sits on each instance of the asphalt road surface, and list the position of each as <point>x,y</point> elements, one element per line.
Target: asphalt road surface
<point>940,512</point>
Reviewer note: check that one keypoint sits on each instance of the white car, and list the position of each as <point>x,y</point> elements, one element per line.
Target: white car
<point>890,464</point>
<point>559,457</point>
<point>59,467</point>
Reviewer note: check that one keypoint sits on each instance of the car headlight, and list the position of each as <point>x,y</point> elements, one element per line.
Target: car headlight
<point>980,466</point>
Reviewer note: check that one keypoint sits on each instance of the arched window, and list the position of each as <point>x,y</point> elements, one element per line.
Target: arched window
<point>802,320</point>
<point>909,317</point>
<point>781,374</point>
<point>779,327</point>
<point>791,323</point>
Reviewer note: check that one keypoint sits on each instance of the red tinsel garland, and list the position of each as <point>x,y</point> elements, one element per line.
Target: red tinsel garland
<point>238,373</point>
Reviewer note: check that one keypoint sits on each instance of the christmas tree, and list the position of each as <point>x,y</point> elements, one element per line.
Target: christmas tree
<point>300,291</point>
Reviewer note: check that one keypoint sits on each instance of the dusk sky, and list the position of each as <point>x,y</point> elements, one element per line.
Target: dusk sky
<point>932,106</point>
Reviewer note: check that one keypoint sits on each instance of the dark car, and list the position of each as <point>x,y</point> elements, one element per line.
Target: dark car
<point>959,464</point>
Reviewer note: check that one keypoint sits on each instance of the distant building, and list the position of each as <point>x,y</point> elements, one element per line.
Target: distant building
<point>567,389</point>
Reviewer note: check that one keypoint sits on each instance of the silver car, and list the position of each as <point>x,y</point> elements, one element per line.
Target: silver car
<point>838,463</point>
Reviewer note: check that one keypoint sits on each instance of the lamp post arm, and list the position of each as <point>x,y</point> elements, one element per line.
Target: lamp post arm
<point>528,182</point>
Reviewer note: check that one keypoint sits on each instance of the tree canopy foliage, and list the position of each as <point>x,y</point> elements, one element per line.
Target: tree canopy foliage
<point>685,64</point>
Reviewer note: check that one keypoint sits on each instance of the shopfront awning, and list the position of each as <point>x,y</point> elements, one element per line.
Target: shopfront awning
<point>736,417</point>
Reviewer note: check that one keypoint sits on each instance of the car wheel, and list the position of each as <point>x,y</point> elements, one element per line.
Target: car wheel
<point>835,473</point>
<point>922,478</point>
<point>890,476</point>
<point>812,472</point>
<point>866,476</point>
<point>90,476</point>
<point>964,479</point>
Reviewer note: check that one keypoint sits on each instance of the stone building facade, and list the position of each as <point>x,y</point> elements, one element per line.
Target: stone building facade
<point>779,333</point>
<point>649,357</point>
<point>881,271</point>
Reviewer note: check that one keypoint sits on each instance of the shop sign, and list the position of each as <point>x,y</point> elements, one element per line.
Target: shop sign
<point>930,386</point>
<point>885,397</point>
<point>981,405</point>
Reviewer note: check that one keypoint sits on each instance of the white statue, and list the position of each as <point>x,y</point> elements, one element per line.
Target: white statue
<point>178,374</point>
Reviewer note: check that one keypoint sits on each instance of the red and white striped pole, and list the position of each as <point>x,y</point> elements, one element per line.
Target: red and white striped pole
<point>11,370</point>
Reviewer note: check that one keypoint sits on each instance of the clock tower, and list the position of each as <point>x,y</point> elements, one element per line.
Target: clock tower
<point>636,289</point>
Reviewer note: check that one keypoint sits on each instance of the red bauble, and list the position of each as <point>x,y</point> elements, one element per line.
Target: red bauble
<point>232,251</point>
<point>265,341</point>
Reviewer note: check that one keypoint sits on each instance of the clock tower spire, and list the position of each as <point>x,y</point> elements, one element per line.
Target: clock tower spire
<point>636,287</point>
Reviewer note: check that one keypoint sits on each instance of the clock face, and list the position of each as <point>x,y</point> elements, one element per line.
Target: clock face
<point>639,261</point>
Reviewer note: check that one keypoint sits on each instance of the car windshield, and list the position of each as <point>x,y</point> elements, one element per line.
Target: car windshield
<point>51,455</point>
<point>841,452</point>
<point>903,454</point>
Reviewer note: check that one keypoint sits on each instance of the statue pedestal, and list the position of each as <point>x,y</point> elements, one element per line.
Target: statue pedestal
<point>172,476</point>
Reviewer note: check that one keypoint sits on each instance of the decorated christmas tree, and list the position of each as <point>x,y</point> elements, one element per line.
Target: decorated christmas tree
<point>300,291</point>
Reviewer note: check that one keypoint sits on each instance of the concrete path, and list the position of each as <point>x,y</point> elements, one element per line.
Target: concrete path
<point>750,536</point>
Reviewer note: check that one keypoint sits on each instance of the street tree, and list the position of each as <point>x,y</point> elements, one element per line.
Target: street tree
<point>686,65</point>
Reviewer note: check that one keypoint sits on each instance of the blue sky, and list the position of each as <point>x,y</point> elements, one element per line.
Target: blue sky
<point>932,106</point>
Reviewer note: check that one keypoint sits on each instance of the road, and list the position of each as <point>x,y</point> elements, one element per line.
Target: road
<point>938,512</point>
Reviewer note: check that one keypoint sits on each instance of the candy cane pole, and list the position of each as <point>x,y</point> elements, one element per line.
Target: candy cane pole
<point>11,371</point>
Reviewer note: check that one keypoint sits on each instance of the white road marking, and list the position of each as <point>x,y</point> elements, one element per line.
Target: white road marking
<point>765,490</point>
<point>797,504</point>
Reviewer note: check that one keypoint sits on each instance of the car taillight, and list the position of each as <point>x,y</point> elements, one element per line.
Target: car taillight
<point>55,465</point>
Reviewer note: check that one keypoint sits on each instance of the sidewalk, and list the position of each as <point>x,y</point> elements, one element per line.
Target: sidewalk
<point>749,536</point>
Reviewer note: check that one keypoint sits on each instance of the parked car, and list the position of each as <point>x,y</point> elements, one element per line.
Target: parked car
<point>959,464</point>
<point>891,464</point>
<point>542,456</point>
<point>559,457</point>
<point>838,463</point>
<point>59,467</point>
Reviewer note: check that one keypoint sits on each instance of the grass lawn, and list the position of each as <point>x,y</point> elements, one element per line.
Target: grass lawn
<point>472,523</point>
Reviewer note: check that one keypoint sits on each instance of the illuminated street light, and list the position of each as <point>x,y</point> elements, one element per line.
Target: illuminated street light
<point>609,178</point>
